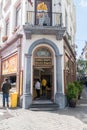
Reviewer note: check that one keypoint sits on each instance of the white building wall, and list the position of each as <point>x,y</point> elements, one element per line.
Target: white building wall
<point>66,7</point>
<point>61,6</point>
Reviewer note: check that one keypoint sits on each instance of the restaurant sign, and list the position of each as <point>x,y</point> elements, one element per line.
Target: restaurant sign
<point>9,65</point>
<point>43,61</point>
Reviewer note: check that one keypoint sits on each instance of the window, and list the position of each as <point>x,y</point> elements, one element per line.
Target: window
<point>7,27</point>
<point>66,22</point>
<point>43,57</point>
<point>43,52</point>
<point>18,16</point>
<point>7,4</point>
<point>1,5</point>
<point>43,10</point>
<point>0,34</point>
<point>67,62</point>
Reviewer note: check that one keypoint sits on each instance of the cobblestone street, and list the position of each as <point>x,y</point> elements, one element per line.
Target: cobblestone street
<point>66,119</point>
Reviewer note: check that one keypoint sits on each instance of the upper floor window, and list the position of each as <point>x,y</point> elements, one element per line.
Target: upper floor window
<point>43,10</point>
<point>1,4</point>
<point>66,21</point>
<point>67,62</point>
<point>0,34</point>
<point>7,27</point>
<point>18,16</point>
<point>7,4</point>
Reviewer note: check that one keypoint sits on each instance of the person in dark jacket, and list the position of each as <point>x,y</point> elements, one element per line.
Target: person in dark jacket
<point>6,86</point>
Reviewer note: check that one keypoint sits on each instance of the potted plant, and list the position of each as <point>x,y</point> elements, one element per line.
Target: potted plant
<point>72,94</point>
<point>78,84</point>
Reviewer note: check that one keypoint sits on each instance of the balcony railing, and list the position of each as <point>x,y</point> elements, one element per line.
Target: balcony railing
<point>42,18</point>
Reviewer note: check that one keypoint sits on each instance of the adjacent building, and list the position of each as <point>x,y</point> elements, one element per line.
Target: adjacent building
<point>36,41</point>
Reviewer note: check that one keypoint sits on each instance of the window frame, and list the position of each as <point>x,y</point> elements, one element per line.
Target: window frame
<point>18,13</point>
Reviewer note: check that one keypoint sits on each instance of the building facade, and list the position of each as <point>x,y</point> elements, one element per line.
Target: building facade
<point>37,40</point>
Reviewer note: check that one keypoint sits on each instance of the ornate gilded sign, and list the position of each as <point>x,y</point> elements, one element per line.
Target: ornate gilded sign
<point>43,61</point>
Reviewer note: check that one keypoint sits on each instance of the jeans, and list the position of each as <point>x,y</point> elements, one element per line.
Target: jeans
<point>44,90</point>
<point>38,93</point>
<point>5,98</point>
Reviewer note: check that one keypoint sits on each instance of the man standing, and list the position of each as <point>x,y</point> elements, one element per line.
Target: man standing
<point>6,86</point>
<point>44,83</point>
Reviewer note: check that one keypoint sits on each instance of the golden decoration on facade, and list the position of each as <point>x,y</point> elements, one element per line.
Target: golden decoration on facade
<point>42,6</point>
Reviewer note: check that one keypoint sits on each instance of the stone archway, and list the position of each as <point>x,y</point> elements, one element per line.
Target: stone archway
<point>27,98</point>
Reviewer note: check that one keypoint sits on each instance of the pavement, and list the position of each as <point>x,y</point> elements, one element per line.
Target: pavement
<point>65,119</point>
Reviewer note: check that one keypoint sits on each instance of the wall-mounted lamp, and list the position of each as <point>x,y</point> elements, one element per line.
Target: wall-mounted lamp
<point>57,4</point>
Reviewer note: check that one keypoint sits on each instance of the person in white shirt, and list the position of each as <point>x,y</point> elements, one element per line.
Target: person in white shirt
<point>37,87</point>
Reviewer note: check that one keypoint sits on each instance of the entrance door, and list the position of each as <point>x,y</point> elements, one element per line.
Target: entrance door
<point>46,73</point>
<point>43,69</point>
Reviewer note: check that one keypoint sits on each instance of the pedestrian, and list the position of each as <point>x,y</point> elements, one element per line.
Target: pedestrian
<point>6,86</point>
<point>44,83</point>
<point>37,87</point>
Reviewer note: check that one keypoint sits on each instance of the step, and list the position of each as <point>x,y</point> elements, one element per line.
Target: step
<point>44,107</point>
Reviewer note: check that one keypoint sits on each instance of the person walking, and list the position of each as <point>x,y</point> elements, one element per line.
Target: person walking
<point>37,87</point>
<point>6,86</point>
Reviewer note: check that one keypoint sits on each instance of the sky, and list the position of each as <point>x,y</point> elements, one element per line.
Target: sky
<point>81,25</point>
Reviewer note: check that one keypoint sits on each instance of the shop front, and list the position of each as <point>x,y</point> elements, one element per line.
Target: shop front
<point>9,69</point>
<point>10,63</point>
<point>45,60</point>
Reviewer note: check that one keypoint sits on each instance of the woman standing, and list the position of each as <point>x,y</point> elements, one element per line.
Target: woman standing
<point>37,87</point>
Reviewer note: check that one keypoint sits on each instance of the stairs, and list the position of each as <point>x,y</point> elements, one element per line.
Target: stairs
<point>43,106</point>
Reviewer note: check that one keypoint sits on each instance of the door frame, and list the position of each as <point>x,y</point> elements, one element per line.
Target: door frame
<point>51,69</point>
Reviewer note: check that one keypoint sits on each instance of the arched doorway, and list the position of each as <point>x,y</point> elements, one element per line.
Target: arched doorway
<point>43,68</point>
<point>27,84</point>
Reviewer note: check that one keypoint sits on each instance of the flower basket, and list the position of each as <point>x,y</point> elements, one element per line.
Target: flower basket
<point>4,38</point>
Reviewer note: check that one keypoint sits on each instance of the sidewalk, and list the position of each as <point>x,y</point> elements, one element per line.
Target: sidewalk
<point>66,119</point>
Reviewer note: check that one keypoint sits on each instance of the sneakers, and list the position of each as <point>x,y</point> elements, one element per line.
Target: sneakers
<point>4,105</point>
